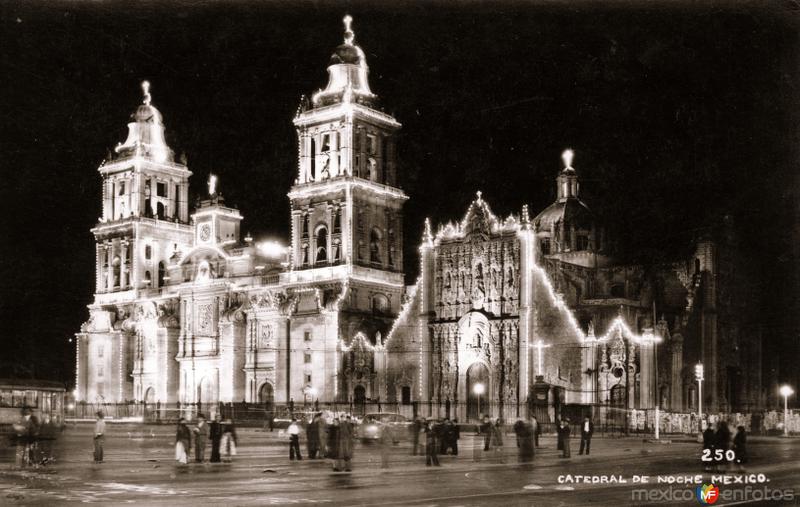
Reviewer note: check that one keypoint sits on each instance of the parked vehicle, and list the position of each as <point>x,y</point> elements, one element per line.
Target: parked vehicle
<point>373,425</point>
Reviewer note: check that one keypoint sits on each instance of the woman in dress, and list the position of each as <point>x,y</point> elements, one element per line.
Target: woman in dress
<point>183,438</point>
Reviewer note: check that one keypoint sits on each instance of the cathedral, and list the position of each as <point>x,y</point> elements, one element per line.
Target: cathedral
<point>507,315</point>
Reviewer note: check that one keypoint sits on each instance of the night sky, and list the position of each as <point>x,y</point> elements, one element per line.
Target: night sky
<point>678,116</point>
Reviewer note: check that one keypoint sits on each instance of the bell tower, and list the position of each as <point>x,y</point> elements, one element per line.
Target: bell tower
<point>145,208</point>
<point>346,206</point>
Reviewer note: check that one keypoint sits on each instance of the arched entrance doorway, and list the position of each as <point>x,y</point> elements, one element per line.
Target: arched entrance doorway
<point>359,399</point>
<point>478,391</point>
<point>266,395</point>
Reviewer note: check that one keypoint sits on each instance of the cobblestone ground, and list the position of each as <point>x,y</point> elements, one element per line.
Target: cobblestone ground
<point>139,469</point>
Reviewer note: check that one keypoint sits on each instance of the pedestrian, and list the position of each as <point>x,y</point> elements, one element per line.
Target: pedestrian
<point>447,436</point>
<point>431,449</point>
<point>183,437</point>
<point>201,432</point>
<point>322,434</point>
<point>587,428</point>
<point>99,437</point>
<point>740,448</point>
<point>271,420</point>
<point>722,442</point>
<point>497,437</point>
<point>456,436</point>
<point>215,433</point>
<point>537,430</point>
<point>333,443</point>
<point>487,430</point>
<point>47,435</point>
<point>385,439</point>
<point>312,437</point>
<point>291,406</point>
<point>229,442</point>
<point>416,427</point>
<point>346,443</point>
<point>709,442</point>
<point>294,440</point>
<point>563,438</point>
<point>524,432</point>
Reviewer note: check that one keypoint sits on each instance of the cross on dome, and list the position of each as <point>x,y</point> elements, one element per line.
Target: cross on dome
<point>146,93</point>
<point>348,32</point>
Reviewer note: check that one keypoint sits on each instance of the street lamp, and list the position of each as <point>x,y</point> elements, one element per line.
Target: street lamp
<point>786,391</point>
<point>479,389</point>
<point>698,375</point>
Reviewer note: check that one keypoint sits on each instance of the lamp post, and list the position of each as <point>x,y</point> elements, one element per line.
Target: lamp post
<point>479,389</point>
<point>698,375</point>
<point>786,391</point>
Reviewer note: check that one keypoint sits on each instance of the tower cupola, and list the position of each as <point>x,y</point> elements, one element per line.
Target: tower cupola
<point>568,185</point>
<point>146,132</point>
<point>347,73</point>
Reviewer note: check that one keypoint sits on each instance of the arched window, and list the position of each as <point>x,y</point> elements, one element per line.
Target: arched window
<point>147,278</point>
<point>337,221</point>
<point>161,273</point>
<point>618,290</point>
<point>313,160</point>
<point>322,245</point>
<point>160,210</point>
<point>116,264</point>
<point>375,246</point>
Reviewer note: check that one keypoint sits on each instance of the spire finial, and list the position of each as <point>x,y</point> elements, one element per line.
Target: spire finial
<point>567,157</point>
<point>427,235</point>
<point>348,32</point>
<point>212,184</point>
<point>479,194</point>
<point>146,92</point>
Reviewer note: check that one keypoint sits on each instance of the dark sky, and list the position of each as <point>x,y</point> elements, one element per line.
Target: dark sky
<point>678,115</point>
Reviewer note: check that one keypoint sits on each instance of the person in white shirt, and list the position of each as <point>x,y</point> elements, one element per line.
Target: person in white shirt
<point>99,437</point>
<point>294,440</point>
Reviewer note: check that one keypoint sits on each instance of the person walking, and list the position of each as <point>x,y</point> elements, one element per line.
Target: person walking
<point>99,437</point>
<point>456,436</point>
<point>215,433</point>
<point>346,443</point>
<point>201,432</point>
<point>312,437</point>
<point>537,430</point>
<point>722,443</point>
<point>447,436</point>
<point>709,443</point>
<point>497,437</point>
<point>294,440</point>
<point>322,434</point>
<point>487,430</point>
<point>740,448</point>
<point>416,427</point>
<point>587,428</point>
<point>229,441</point>
<point>524,432</point>
<point>333,443</point>
<point>183,437</point>
<point>431,457</point>
<point>563,438</point>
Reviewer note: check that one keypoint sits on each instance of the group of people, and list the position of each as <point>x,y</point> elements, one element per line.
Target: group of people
<point>34,439</point>
<point>332,440</point>
<point>222,435</point>
<point>441,437</point>
<point>716,444</point>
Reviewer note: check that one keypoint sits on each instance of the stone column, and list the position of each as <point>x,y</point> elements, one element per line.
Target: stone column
<point>110,271</point>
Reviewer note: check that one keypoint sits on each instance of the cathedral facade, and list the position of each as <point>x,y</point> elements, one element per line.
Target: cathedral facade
<point>507,313</point>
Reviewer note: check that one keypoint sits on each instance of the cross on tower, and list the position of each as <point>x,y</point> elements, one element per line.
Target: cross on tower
<point>146,92</point>
<point>212,185</point>
<point>539,345</point>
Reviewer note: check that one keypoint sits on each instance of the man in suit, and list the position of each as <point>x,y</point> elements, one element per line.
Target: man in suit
<point>587,428</point>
